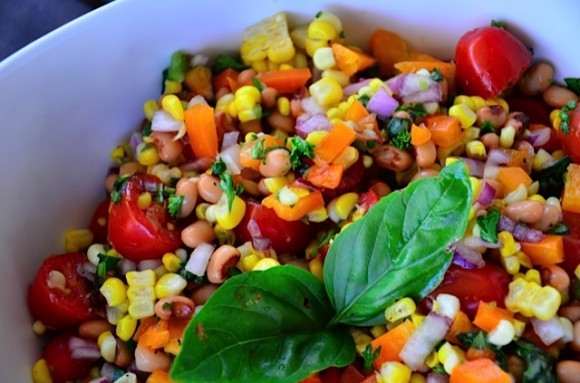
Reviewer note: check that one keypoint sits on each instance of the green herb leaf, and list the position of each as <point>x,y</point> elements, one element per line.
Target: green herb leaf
<point>301,149</point>
<point>540,366</point>
<point>486,127</point>
<point>551,179</point>
<point>478,340</point>
<point>276,332</point>
<point>257,151</point>
<point>400,248</point>
<point>147,130</point>
<point>223,62</point>
<point>436,74</point>
<point>559,229</point>
<point>106,263</point>
<point>397,125</point>
<point>438,368</point>
<point>257,84</point>
<point>416,111</point>
<point>119,188</point>
<point>488,225</point>
<point>326,238</point>
<point>174,205</point>
<point>573,84</point>
<point>402,140</point>
<point>227,185</point>
<point>498,24</point>
<point>218,167</point>
<point>369,356</point>
<point>342,35</point>
<point>167,306</point>
<point>178,67</point>
<point>364,99</point>
<point>318,14</point>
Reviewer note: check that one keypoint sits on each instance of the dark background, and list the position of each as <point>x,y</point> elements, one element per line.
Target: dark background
<point>23,21</point>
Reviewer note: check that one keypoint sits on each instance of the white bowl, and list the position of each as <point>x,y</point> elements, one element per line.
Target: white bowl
<point>67,99</point>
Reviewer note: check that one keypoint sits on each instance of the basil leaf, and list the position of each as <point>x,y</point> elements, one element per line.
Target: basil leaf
<point>400,248</point>
<point>276,331</point>
<point>551,179</point>
<point>573,84</point>
<point>223,62</point>
<point>488,225</point>
<point>178,67</point>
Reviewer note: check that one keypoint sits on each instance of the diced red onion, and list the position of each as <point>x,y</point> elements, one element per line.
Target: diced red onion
<point>466,257</point>
<point>422,341</point>
<point>231,157</point>
<point>474,242</point>
<point>418,88</point>
<point>383,104</point>
<point>307,123</point>
<point>354,88</point>
<point>476,167</point>
<point>434,377</point>
<point>498,157</point>
<point>395,83</point>
<point>134,141</point>
<point>520,232</point>
<point>126,265</point>
<point>254,229</point>
<point>310,106</point>
<point>87,270</point>
<point>148,264</point>
<point>164,122</point>
<point>230,138</point>
<point>539,137</point>
<point>108,372</point>
<point>261,243</point>
<point>549,330</point>
<point>487,195</point>
<point>197,263</point>
<point>83,348</point>
<point>490,171</point>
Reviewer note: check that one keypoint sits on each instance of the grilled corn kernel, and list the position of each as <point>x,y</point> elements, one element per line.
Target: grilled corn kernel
<point>141,278</point>
<point>170,284</point>
<point>172,87</point>
<point>41,372</point>
<point>172,105</point>
<point>265,264</point>
<point>78,239</point>
<point>533,275</point>
<point>511,264</point>
<point>448,305</point>
<point>126,327</point>
<point>108,346</point>
<point>326,91</point>
<point>140,308</point>
<point>338,75</point>
<point>315,267</point>
<point>324,58</point>
<point>502,334</point>
<point>394,372</point>
<point>114,291</point>
<point>226,218</point>
<point>345,204</point>
<point>464,114</point>
<point>506,137</point>
<point>509,246</point>
<point>546,303</point>
<point>316,137</point>
<point>318,215</point>
<point>475,149</point>
<point>400,309</point>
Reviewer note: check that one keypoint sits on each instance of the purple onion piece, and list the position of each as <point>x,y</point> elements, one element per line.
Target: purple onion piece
<point>497,157</point>
<point>506,224</point>
<point>467,257</point>
<point>230,138</point>
<point>395,83</point>
<point>422,341</point>
<point>539,137</point>
<point>134,141</point>
<point>487,195</point>
<point>476,167</point>
<point>307,123</point>
<point>383,104</point>
<point>354,88</point>
<point>417,88</point>
<point>261,243</point>
<point>520,232</point>
<point>434,377</point>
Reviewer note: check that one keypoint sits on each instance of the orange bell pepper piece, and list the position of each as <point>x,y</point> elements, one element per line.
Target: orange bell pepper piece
<point>312,201</point>
<point>350,61</point>
<point>445,130</point>
<point>549,251</point>
<point>246,159</point>
<point>488,316</point>
<point>420,135</point>
<point>324,175</point>
<point>460,325</point>
<point>286,81</point>
<point>388,48</point>
<point>340,136</point>
<point>201,128</point>
<point>571,198</point>
<point>356,112</point>
<point>479,371</point>
<point>224,79</point>
<point>511,177</point>
<point>391,343</point>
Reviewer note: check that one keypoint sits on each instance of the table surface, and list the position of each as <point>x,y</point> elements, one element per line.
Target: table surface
<point>23,21</point>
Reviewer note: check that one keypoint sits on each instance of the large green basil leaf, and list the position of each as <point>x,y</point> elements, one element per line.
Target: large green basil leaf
<point>263,326</point>
<point>400,248</point>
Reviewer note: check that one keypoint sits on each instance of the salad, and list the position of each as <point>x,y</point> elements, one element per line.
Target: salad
<point>311,212</point>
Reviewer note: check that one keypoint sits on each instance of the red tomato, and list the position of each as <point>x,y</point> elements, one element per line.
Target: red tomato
<point>490,60</point>
<point>287,237</point>
<point>54,307</point>
<point>490,283</point>
<point>572,255</point>
<point>330,375</point>
<point>571,141</point>
<point>63,367</point>
<point>141,234</point>
<point>99,222</point>
<point>368,199</point>
<point>351,375</point>
<point>535,108</point>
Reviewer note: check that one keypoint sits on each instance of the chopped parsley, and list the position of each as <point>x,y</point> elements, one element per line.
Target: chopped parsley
<point>318,14</point>
<point>364,99</point>
<point>486,127</point>
<point>342,35</point>
<point>573,84</point>
<point>147,130</point>
<point>438,368</point>
<point>174,205</point>
<point>369,356</point>
<point>119,188</point>
<point>223,62</point>
<point>436,75</point>
<point>218,167</point>
<point>416,111</point>
<point>258,152</point>
<point>257,84</point>
<point>191,277</point>
<point>106,263</point>
<point>478,340</point>
<point>167,306</point>
<point>559,229</point>
<point>227,185</point>
<point>301,149</point>
<point>498,24</point>
<point>551,179</point>
<point>326,238</point>
<point>488,225</point>
<point>402,140</point>
<point>178,67</point>
<point>540,366</point>
<point>565,116</point>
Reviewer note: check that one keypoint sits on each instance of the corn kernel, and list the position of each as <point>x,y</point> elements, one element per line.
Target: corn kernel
<point>338,75</point>
<point>546,303</point>
<point>274,184</point>
<point>265,264</point>
<point>172,105</point>
<point>330,18</point>
<point>511,264</point>
<point>108,346</point>
<point>147,154</point>
<point>558,154</point>
<point>315,137</point>
<point>141,278</point>
<point>250,114</point>
<point>118,154</point>
<point>519,328</point>
<point>318,215</point>
<point>400,309</point>
<point>171,262</point>
<point>249,91</point>
<point>141,308</point>
<point>287,196</point>
<point>144,200</point>
<point>315,267</point>
<point>502,334</point>
<point>367,161</point>
<point>554,201</point>
<point>478,102</point>
<point>300,59</point>
<point>324,58</point>
<point>540,158</point>
<point>394,372</point>
<point>226,218</point>
<point>283,105</point>
<point>248,262</point>
<point>244,102</point>
<point>172,87</point>
<point>517,195</point>
<point>326,91</point>
<point>432,360</point>
<point>509,246</point>
<point>321,30</point>
<point>506,137</point>
<point>465,100</point>
<point>200,210</point>
<point>114,314</point>
<point>378,330</point>
<point>224,101</point>
<point>417,319</point>
<point>417,378</point>
<point>170,284</point>
<point>448,305</point>
<point>78,239</point>
<point>450,356</point>
<point>345,204</point>
<point>534,276</point>
<point>38,328</point>
<point>41,372</point>
<point>475,149</point>
<point>524,260</point>
<point>126,327</point>
<point>527,300</point>
<point>464,114</point>
<point>348,157</point>
<point>114,291</point>
<point>577,272</point>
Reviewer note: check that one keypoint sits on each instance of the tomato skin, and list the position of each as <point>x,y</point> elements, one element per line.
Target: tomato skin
<point>138,234</point>
<point>490,283</point>
<point>52,306</point>
<point>100,215</point>
<point>287,237</point>
<point>571,140</point>
<point>63,368</point>
<point>571,255</point>
<point>368,199</point>
<point>489,60</point>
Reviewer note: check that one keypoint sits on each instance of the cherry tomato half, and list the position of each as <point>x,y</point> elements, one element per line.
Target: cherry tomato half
<point>490,60</point>
<point>62,366</point>
<point>571,141</point>
<point>287,237</point>
<point>490,283</point>
<point>57,308</point>
<point>368,199</point>
<point>141,234</point>
<point>99,222</point>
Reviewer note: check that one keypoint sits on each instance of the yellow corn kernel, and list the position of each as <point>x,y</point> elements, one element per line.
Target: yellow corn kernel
<point>315,267</point>
<point>323,58</point>
<point>114,314</point>
<point>417,378</point>
<point>546,303</point>
<point>38,328</point>
<point>268,39</point>
<point>169,284</point>
<point>249,91</point>
<point>527,299</point>
<point>330,18</point>
<point>244,102</point>
<point>558,154</point>
<point>534,188</point>
<point>321,30</point>
<point>378,330</point>
<point>417,319</point>
<point>334,113</point>
<point>315,137</point>
<point>114,291</point>
<point>450,356</point>
<point>503,103</point>
<point>524,260</point>
<point>249,114</point>
<point>577,272</point>
<point>375,84</point>
<point>555,119</point>
<point>108,346</point>
<point>347,158</point>
<point>533,275</point>
<point>283,105</point>
<point>265,264</point>
<point>248,262</point>
<point>281,51</point>
<point>41,372</point>
<point>141,308</point>
<point>367,161</point>
<point>509,246</point>
<point>171,262</point>
<point>464,114</point>
<point>475,149</point>
<point>506,137</point>
<point>141,278</point>
<point>172,105</point>
<point>465,100</point>
<point>476,186</point>
<point>478,102</point>
<point>118,154</point>
<point>400,309</point>
<point>93,253</point>
<point>172,87</point>
<point>224,101</point>
<point>519,194</point>
<point>144,200</point>
<point>447,305</point>
<point>274,184</point>
<point>338,75</point>
<point>78,239</point>
<point>516,291</point>
<point>200,210</point>
<point>147,154</point>
<point>511,264</point>
<point>432,359</point>
<point>540,158</point>
<point>394,372</point>
<point>502,334</point>
<point>126,327</point>
<point>345,204</point>
<point>226,218</point>
<point>537,197</point>
<point>326,91</point>
<point>300,60</point>
<point>519,328</point>
<point>318,215</point>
